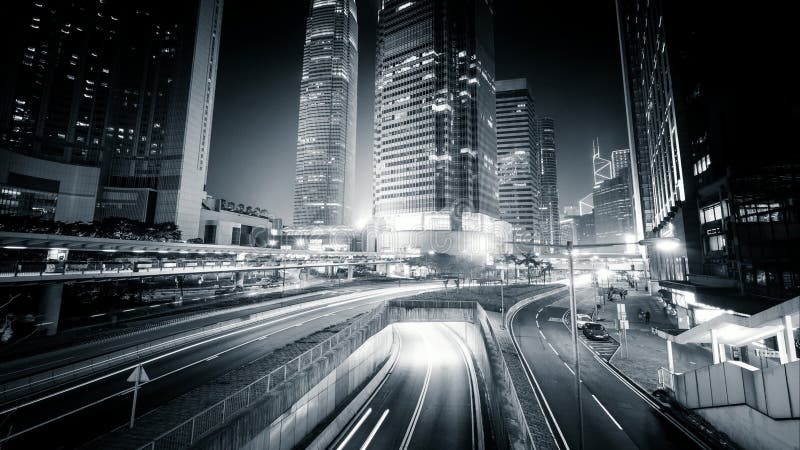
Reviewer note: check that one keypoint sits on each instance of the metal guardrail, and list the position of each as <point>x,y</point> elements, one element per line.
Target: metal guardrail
<point>197,426</point>
<point>666,379</point>
<point>54,377</point>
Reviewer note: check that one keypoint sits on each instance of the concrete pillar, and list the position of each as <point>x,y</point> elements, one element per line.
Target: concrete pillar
<point>715,345</point>
<point>722,355</point>
<point>240,279</point>
<point>782,350</point>
<point>788,334</point>
<point>670,359</point>
<point>50,296</point>
<point>349,272</point>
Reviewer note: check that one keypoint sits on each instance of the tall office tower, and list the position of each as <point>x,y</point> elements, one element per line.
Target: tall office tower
<point>549,182</point>
<point>601,167</point>
<point>620,161</point>
<point>108,109</point>
<point>613,210</point>
<point>725,188</point>
<point>518,159</point>
<point>326,136</point>
<point>435,144</point>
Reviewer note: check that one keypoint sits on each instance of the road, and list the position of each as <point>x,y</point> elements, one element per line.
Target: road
<point>101,403</point>
<point>426,401</point>
<point>614,415</point>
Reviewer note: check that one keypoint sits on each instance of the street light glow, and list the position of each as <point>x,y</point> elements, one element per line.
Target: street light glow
<point>667,245</point>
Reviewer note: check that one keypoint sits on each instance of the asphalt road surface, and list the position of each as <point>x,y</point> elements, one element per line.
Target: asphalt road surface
<point>75,414</point>
<point>426,401</point>
<point>614,415</point>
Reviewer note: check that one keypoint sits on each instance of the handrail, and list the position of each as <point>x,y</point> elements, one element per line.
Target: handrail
<point>199,425</point>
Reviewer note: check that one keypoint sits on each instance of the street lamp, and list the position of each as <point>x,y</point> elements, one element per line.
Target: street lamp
<point>661,243</point>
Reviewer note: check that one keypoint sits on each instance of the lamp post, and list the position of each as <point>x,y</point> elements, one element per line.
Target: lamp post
<point>664,244</point>
<point>573,310</point>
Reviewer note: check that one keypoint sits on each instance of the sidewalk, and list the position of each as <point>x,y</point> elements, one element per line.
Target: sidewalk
<point>646,351</point>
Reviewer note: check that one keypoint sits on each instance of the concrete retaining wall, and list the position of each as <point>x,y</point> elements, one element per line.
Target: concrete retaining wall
<point>752,430</point>
<point>291,411</point>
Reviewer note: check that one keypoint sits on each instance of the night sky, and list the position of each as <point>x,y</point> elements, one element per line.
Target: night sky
<point>568,51</point>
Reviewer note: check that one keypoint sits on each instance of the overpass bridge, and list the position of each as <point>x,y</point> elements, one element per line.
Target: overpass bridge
<point>140,259</point>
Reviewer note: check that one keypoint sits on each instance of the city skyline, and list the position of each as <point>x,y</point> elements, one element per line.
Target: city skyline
<point>552,89</point>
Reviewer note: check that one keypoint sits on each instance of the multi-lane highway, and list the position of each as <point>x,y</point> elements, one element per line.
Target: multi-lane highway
<point>615,415</point>
<point>429,400</point>
<point>73,414</point>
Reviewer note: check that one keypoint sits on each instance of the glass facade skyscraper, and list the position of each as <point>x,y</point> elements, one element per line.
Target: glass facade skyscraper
<point>518,159</point>
<point>709,175</point>
<point>435,144</point>
<point>551,232</point>
<point>115,100</point>
<point>326,136</point>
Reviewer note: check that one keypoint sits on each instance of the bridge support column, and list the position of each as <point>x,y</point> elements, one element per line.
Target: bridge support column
<point>50,296</point>
<point>240,279</point>
<point>349,272</point>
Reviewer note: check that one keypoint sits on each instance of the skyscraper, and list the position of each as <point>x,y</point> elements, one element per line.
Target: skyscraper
<point>725,188</point>
<point>326,135</point>
<point>126,90</point>
<point>613,210</point>
<point>518,159</point>
<point>620,161</point>
<point>549,181</point>
<point>435,144</point>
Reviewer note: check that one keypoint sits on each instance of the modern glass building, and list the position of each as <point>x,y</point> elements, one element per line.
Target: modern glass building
<point>326,136</point>
<point>711,136</point>
<point>613,210</point>
<point>108,105</point>
<point>620,161</point>
<point>518,159</point>
<point>435,144</point>
<point>549,182</point>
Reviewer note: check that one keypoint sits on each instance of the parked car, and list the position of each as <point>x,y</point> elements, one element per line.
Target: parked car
<point>595,331</point>
<point>582,319</point>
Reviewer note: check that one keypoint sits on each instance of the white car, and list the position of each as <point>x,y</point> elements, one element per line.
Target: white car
<point>582,319</point>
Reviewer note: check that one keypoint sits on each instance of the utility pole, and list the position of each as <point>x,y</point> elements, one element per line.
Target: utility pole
<point>574,329</point>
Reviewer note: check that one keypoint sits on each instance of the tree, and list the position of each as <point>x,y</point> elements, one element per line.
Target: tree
<point>529,259</point>
<point>511,259</point>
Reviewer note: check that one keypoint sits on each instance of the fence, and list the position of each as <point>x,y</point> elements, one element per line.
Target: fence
<point>47,379</point>
<point>187,432</point>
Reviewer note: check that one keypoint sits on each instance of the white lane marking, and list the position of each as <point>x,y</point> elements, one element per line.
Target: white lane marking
<point>97,315</point>
<point>553,349</point>
<point>537,324</point>
<point>422,394</point>
<point>353,431</point>
<point>543,337</point>
<point>475,410</point>
<point>284,317</point>
<point>533,381</point>
<point>607,413</point>
<point>211,357</point>
<point>374,430</point>
<point>281,318</point>
<point>570,369</point>
<point>537,316</point>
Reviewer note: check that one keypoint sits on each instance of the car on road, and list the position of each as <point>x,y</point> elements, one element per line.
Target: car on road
<point>595,331</point>
<point>582,319</point>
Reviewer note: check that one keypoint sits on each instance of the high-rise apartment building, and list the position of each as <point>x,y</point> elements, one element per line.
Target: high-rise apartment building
<point>326,136</point>
<point>106,110</point>
<point>435,145</point>
<point>518,159</point>
<point>726,188</point>
<point>550,229</point>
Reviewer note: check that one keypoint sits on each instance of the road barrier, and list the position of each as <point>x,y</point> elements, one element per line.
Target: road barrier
<point>201,424</point>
